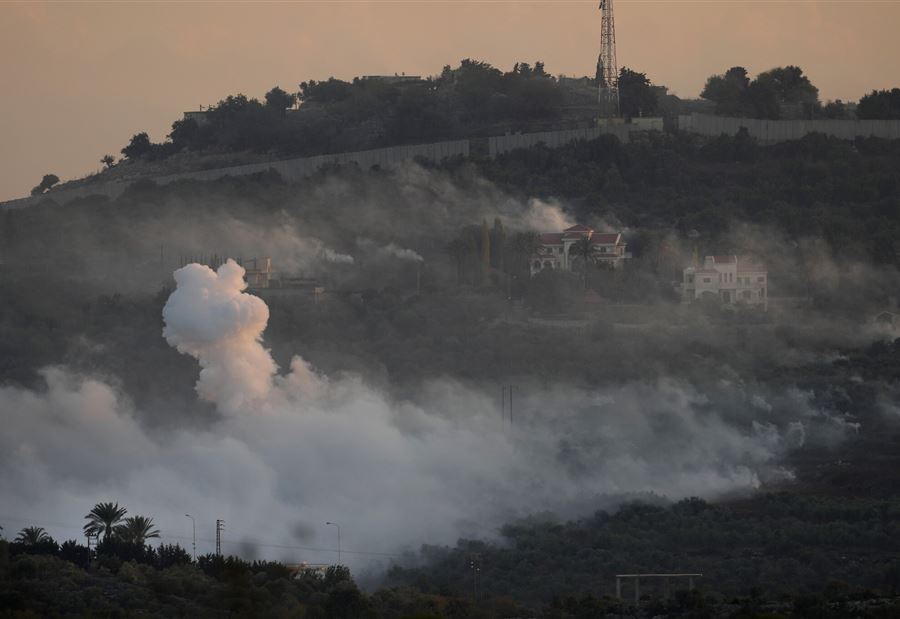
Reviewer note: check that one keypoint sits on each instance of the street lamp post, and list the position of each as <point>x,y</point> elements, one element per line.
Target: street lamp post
<point>194,538</point>
<point>334,524</point>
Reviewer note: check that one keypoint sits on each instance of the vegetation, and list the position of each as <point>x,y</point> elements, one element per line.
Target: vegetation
<point>105,518</point>
<point>803,557</point>
<point>827,548</point>
<point>46,183</point>
<point>880,104</point>
<point>773,94</point>
<point>368,112</point>
<point>780,544</point>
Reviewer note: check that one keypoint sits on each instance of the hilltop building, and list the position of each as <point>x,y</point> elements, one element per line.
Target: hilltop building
<point>560,250</point>
<point>733,280</point>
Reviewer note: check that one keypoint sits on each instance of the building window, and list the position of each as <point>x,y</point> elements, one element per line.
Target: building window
<point>690,279</point>
<point>761,279</point>
<point>548,264</point>
<point>705,280</point>
<point>537,265</point>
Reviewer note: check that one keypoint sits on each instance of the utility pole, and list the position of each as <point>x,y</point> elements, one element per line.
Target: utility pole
<point>607,68</point>
<point>334,524</point>
<point>194,530</point>
<point>220,526</point>
<point>475,565</point>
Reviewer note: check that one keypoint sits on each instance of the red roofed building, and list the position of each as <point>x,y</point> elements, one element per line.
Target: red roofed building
<point>733,280</point>
<point>556,249</point>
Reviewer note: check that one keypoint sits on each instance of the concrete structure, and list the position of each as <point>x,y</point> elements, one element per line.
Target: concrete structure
<point>498,145</point>
<point>259,275</point>
<point>730,279</point>
<point>293,170</point>
<point>394,79</point>
<point>200,116</point>
<point>556,249</point>
<point>773,131</point>
<point>637,583</point>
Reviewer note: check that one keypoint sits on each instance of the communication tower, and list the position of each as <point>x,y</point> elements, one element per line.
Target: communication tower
<point>607,69</point>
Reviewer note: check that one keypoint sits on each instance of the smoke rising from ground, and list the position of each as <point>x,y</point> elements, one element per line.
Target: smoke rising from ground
<point>294,450</point>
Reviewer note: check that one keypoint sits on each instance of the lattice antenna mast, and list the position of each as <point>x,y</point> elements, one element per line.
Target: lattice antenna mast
<point>607,68</point>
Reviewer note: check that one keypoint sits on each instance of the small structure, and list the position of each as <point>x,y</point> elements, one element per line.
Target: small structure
<point>637,583</point>
<point>260,274</point>
<point>731,279</point>
<point>201,116</point>
<point>403,78</point>
<point>559,250</point>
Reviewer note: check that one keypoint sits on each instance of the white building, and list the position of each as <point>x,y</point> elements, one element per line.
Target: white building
<point>555,251</point>
<point>733,280</point>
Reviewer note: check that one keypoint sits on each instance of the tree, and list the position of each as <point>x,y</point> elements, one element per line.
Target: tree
<point>880,105</point>
<point>108,161</point>
<point>790,86</point>
<point>727,91</point>
<point>136,530</point>
<point>586,253</point>
<point>184,133</point>
<point>525,245</point>
<point>485,253</point>
<point>139,146</point>
<point>32,536</point>
<point>636,95</point>
<point>279,100</point>
<point>498,244</point>
<point>104,518</point>
<point>459,249</point>
<point>585,250</point>
<point>834,110</point>
<point>329,91</point>
<point>47,182</point>
<point>768,96</point>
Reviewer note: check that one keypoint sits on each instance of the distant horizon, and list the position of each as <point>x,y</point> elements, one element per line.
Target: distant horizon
<point>80,79</point>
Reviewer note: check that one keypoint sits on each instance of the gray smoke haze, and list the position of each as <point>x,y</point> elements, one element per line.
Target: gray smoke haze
<point>293,450</point>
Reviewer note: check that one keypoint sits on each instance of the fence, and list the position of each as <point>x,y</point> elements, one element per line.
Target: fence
<point>773,131</point>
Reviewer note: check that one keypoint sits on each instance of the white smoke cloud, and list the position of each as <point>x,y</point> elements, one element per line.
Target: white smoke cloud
<point>542,216</point>
<point>209,317</point>
<point>332,256</point>
<point>401,253</point>
<point>295,450</point>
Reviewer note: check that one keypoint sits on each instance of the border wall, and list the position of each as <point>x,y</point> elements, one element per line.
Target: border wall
<point>290,169</point>
<point>293,170</point>
<point>501,144</point>
<point>774,131</point>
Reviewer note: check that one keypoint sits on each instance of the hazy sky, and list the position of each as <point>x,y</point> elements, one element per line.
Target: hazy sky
<point>80,78</point>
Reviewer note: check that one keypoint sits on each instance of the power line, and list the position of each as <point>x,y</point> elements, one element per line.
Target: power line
<point>243,540</point>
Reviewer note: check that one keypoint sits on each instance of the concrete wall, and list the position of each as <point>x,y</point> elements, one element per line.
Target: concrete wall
<point>772,131</point>
<point>293,170</point>
<point>500,144</point>
<point>290,169</point>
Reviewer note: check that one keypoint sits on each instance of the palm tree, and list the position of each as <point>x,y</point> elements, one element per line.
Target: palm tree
<point>103,519</point>
<point>137,530</point>
<point>32,535</point>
